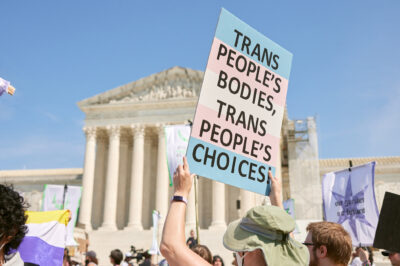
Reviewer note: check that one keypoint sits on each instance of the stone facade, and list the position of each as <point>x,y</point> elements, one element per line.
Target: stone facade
<point>125,173</point>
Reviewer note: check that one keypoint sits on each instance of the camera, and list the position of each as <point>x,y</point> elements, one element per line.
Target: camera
<point>138,254</point>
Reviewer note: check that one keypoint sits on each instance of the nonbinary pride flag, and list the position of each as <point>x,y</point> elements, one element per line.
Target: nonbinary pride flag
<point>349,199</point>
<point>45,241</point>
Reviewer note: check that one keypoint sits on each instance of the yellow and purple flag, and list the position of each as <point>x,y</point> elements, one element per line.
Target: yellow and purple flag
<point>45,241</point>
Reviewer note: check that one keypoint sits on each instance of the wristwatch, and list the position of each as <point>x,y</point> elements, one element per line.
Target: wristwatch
<point>179,198</point>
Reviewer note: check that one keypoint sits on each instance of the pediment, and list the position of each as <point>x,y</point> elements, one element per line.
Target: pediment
<point>174,83</point>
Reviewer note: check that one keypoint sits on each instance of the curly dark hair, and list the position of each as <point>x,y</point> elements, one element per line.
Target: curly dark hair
<point>12,217</point>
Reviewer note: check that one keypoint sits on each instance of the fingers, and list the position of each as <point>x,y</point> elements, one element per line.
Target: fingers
<point>270,174</point>
<point>272,178</point>
<point>185,163</point>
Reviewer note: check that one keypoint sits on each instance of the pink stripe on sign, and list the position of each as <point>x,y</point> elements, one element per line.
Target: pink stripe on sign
<point>217,65</point>
<point>211,116</point>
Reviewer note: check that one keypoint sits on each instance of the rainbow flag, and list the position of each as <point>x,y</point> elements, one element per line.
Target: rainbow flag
<point>45,241</point>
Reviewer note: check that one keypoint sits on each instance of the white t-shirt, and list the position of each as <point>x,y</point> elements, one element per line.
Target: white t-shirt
<point>356,262</point>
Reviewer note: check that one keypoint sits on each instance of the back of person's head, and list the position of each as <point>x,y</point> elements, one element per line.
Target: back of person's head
<point>217,260</point>
<point>12,218</point>
<point>336,240</point>
<point>203,252</point>
<point>92,257</point>
<point>117,256</point>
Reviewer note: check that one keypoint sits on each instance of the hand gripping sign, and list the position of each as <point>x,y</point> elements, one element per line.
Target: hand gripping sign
<point>235,136</point>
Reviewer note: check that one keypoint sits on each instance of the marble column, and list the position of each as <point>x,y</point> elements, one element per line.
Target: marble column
<point>110,200</point>
<point>218,205</point>
<point>162,200</point>
<point>85,213</point>
<point>100,179</point>
<point>136,192</point>
<point>247,201</point>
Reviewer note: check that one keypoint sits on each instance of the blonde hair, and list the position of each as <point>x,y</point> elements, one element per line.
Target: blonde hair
<point>203,252</point>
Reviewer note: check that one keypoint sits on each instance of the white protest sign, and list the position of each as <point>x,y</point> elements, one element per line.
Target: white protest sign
<point>236,131</point>
<point>177,141</point>
<point>288,205</point>
<point>349,199</point>
<point>53,199</point>
<point>154,250</point>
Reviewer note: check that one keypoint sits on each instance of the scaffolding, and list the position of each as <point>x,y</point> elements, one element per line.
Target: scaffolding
<point>298,131</point>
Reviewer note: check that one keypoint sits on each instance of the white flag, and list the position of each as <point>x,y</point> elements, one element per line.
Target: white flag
<point>154,250</point>
<point>177,142</point>
<point>349,199</point>
<point>4,84</point>
<point>72,200</point>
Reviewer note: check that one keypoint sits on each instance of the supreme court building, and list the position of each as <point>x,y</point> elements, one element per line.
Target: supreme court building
<point>125,173</point>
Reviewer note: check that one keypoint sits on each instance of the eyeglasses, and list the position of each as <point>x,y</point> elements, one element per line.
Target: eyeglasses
<point>308,244</point>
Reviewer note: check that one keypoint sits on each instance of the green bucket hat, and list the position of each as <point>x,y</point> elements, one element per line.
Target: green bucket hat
<point>267,228</point>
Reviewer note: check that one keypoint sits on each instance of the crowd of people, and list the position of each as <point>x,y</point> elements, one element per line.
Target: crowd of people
<point>262,237</point>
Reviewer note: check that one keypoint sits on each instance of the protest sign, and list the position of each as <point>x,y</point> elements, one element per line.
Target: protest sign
<point>236,131</point>
<point>58,197</point>
<point>388,231</point>
<point>154,250</point>
<point>288,205</point>
<point>349,199</point>
<point>177,140</point>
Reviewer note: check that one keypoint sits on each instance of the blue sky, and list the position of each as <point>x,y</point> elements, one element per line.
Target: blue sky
<point>345,68</point>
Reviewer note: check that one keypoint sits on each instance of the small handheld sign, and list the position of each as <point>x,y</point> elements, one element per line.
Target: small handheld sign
<point>235,136</point>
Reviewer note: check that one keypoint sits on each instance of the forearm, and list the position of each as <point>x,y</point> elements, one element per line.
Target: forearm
<point>174,227</point>
<point>276,201</point>
<point>173,246</point>
<point>276,191</point>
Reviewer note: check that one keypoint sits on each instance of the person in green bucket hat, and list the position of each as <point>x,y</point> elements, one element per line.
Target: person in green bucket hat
<point>266,230</point>
<point>260,238</point>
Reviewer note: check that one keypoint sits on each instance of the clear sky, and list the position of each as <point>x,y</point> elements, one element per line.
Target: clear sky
<point>345,71</point>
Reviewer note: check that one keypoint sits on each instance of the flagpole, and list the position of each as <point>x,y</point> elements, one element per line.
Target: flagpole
<point>196,209</point>
<point>65,192</point>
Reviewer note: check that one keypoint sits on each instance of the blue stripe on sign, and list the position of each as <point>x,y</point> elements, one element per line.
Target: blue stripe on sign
<point>197,150</point>
<point>225,32</point>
